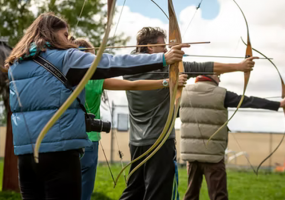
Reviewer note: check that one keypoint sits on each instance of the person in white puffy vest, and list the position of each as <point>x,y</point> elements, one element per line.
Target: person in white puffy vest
<point>203,110</point>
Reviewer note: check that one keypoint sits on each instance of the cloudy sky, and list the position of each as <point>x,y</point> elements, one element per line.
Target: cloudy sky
<point>221,23</point>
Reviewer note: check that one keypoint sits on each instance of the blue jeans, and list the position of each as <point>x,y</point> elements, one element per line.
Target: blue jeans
<point>88,170</point>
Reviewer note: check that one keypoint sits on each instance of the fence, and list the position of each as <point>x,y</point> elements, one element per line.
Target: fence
<point>256,145</point>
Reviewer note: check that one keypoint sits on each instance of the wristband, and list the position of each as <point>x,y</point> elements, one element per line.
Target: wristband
<point>165,83</point>
<point>164,61</point>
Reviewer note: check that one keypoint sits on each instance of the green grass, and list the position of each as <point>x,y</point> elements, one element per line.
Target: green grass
<point>241,185</point>
<point>1,172</point>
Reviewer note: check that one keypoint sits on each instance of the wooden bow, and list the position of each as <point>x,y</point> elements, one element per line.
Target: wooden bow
<point>282,95</point>
<point>175,93</point>
<point>248,54</point>
<point>80,87</point>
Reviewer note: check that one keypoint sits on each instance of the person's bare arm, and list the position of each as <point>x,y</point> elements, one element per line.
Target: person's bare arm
<point>244,66</point>
<point>119,84</point>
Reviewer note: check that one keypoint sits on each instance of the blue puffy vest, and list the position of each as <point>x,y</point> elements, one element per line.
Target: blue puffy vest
<point>41,95</point>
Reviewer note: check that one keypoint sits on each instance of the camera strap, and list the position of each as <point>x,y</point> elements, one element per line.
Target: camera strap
<point>58,74</point>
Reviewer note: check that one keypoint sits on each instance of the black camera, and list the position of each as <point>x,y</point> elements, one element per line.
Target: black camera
<point>97,125</point>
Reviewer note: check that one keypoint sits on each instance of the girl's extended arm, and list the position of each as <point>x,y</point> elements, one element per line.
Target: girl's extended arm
<point>119,84</point>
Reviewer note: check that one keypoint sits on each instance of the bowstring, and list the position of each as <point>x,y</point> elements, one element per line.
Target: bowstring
<point>101,145</point>
<point>160,9</point>
<point>119,18</point>
<point>116,137</point>
<point>78,19</point>
<point>103,150</point>
<point>197,8</point>
<point>108,103</point>
<point>190,102</point>
<point>246,157</point>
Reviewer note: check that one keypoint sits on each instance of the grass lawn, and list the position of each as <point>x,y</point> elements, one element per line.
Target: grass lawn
<point>241,185</point>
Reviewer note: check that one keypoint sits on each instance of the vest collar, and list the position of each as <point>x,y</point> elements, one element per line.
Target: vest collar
<point>207,82</point>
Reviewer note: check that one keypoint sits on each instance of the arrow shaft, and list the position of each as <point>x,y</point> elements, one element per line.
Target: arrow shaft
<point>188,55</point>
<point>194,73</point>
<point>147,45</point>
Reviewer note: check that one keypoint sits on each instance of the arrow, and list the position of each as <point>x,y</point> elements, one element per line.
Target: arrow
<point>147,45</point>
<point>194,73</point>
<point>186,55</point>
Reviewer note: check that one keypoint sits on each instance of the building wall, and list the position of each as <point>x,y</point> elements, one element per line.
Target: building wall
<point>256,145</point>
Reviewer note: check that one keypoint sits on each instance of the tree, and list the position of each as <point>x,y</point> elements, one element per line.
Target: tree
<point>10,175</point>
<point>3,113</point>
<point>89,22</point>
<point>4,88</point>
<point>15,18</point>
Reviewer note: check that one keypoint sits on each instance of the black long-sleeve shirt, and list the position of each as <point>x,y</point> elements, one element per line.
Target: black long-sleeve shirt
<point>232,100</point>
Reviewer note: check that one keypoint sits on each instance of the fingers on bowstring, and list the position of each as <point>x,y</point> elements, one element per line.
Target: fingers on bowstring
<point>177,53</point>
<point>185,76</point>
<point>251,63</point>
<point>253,57</point>
<point>179,46</point>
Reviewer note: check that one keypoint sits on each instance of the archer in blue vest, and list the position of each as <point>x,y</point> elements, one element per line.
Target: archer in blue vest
<point>36,95</point>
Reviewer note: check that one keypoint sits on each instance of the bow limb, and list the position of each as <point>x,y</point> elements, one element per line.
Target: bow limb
<point>79,88</point>
<point>282,95</point>
<point>160,9</point>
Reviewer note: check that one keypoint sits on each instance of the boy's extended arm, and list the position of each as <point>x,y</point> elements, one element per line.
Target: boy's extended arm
<point>244,66</point>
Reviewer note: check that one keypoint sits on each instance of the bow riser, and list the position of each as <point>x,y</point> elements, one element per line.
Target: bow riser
<point>174,37</point>
<point>283,91</point>
<point>179,92</point>
<point>248,54</point>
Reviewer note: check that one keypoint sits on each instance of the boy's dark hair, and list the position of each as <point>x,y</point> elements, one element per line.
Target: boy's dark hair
<point>148,35</point>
